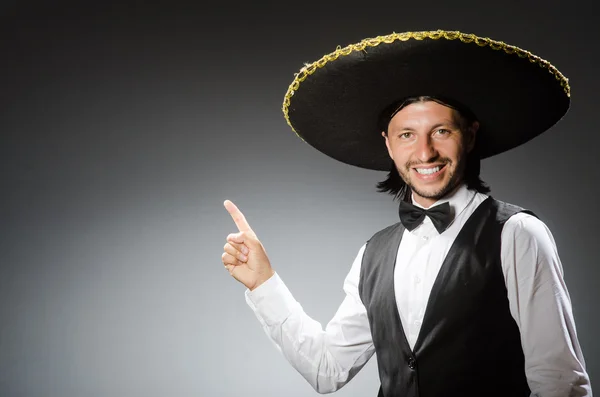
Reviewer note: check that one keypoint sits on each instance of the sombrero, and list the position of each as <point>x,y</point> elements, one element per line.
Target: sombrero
<point>334,104</point>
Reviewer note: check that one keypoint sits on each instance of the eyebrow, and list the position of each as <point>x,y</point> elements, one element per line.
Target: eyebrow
<point>448,123</point>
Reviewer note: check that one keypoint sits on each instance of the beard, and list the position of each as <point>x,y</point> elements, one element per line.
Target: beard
<point>454,179</point>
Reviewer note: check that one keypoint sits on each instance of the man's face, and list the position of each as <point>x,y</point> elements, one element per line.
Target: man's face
<point>429,149</point>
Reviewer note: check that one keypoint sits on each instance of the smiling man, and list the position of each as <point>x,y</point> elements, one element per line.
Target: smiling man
<point>428,140</point>
<point>465,295</point>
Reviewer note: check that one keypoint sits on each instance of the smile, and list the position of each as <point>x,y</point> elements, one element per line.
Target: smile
<point>430,170</point>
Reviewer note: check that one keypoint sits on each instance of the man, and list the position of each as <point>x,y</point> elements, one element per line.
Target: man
<point>465,295</point>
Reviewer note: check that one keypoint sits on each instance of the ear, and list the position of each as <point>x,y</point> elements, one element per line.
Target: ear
<point>471,136</point>
<point>387,144</point>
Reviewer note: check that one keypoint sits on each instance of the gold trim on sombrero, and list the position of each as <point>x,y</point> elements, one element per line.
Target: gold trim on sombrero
<point>309,69</point>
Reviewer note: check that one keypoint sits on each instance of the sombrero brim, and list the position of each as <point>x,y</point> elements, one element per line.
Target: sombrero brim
<point>334,103</point>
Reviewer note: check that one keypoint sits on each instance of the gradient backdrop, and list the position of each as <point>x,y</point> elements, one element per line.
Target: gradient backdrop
<point>124,127</point>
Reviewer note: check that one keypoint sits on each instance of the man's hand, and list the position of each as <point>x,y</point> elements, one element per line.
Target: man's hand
<point>245,257</point>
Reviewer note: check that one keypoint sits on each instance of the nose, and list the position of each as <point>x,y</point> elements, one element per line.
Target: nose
<point>425,150</point>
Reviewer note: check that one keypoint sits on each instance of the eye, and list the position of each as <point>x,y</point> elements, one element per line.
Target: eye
<point>404,135</point>
<point>442,132</point>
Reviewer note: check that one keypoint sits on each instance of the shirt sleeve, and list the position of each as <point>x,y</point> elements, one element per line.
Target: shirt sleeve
<point>327,358</point>
<point>541,306</point>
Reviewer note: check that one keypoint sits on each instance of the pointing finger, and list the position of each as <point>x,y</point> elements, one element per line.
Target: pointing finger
<point>238,217</point>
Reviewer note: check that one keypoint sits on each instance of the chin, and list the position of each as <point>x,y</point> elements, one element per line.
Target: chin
<point>437,191</point>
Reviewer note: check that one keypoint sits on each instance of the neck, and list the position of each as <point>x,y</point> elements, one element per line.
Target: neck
<point>424,202</point>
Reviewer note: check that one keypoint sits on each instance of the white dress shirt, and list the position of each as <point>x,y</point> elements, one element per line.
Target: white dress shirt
<point>538,299</point>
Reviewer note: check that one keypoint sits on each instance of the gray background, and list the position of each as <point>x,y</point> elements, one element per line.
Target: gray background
<point>125,125</point>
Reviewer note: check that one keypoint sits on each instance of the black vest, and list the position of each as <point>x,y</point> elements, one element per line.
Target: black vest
<point>469,344</point>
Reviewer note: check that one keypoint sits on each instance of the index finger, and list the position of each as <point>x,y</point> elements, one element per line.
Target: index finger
<point>238,217</point>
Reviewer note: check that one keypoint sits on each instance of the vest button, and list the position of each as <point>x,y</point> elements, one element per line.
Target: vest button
<point>412,363</point>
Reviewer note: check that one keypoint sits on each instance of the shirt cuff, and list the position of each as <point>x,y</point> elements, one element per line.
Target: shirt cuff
<point>272,301</point>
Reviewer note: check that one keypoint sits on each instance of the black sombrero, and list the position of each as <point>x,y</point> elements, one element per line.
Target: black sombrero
<point>334,103</point>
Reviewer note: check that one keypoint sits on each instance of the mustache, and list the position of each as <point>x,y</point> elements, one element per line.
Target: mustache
<point>438,160</point>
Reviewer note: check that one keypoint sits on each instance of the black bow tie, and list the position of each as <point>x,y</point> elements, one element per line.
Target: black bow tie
<point>411,216</point>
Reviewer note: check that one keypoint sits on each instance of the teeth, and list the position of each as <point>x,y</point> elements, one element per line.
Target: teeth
<point>428,171</point>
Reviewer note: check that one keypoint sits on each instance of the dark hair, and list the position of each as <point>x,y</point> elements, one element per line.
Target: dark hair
<point>394,184</point>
